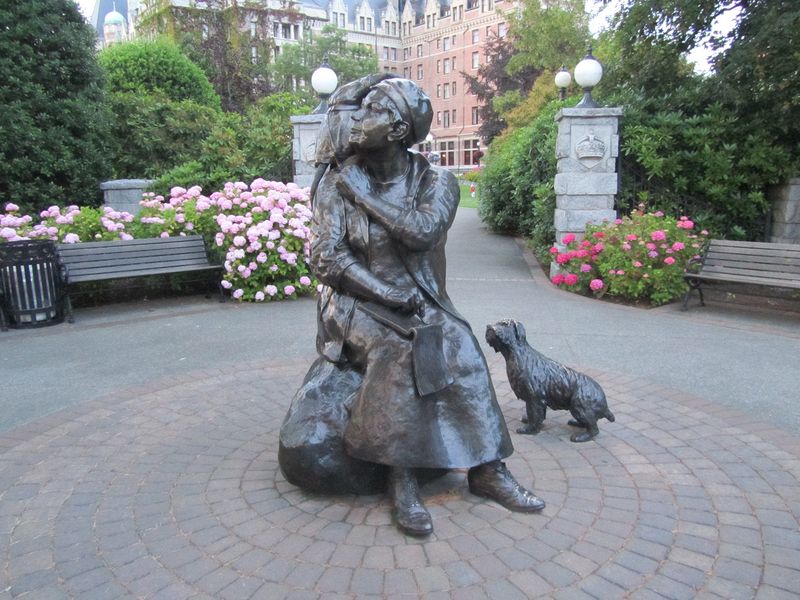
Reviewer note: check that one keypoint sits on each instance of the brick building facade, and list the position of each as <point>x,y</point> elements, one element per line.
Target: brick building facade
<point>428,41</point>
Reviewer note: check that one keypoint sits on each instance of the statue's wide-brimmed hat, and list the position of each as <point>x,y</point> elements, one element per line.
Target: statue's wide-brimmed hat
<point>412,103</point>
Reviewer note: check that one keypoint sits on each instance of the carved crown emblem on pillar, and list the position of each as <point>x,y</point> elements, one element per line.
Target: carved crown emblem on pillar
<point>590,150</point>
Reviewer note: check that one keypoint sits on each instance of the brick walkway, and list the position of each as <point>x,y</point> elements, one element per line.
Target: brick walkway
<point>172,491</point>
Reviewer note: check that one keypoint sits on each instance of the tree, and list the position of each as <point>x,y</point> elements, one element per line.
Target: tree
<point>298,61</point>
<point>52,130</point>
<point>148,67</point>
<point>493,80</point>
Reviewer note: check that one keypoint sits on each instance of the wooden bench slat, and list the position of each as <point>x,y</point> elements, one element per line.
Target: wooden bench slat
<point>82,277</point>
<point>136,265</point>
<point>754,245</point>
<point>777,275</point>
<point>761,255</point>
<point>123,247</point>
<point>784,283</point>
<point>135,257</point>
<point>752,265</point>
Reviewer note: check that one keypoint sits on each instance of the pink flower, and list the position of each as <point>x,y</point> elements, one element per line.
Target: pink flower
<point>617,221</point>
<point>596,284</point>
<point>637,264</point>
<point>652,254</point>
<point>669,260</point>
<point>598,247</point>
<point>553,250</point>
<point>585,268</point>
<point>571,279</point>
<point>650,246</point>
<point>658,235</point>
<point>598,235</point>
<point>11,207</point>
<point>562,259</point>
<point>305,280</point>
<point>568,239</point>
<point>288,290</point>
<point>678,246</point>
<point>631,237</point>
<point>271,290</point>
<point>238,293</point>
<point>71,238</point>
<point>658,213</point>
<point>239,241</point>
<point>626,246</point>
<point>620,272</point>
<point>557,279</point>
<point>262,257</point>
<point>164,234</point>
<point>226,284</point>
<point>259,296</point>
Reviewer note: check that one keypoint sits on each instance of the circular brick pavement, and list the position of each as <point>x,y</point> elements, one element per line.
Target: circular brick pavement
<point>173,491</point>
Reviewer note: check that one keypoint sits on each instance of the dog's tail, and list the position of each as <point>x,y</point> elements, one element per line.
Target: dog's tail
<point>609,415</point>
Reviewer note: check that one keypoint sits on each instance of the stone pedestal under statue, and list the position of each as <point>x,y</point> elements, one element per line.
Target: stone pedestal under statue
<point>586,181</point>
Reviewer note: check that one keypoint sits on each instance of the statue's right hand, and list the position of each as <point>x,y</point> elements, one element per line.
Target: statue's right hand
<point>407,300</point>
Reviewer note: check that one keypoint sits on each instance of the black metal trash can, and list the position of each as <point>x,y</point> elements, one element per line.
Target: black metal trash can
<point>32,284</point>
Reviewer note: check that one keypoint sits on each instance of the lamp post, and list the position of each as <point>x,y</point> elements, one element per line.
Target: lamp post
<point>588,73</point>
<point>563,79</point>
<point>324,81</point>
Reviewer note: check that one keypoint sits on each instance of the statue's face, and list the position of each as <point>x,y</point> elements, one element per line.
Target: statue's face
<point>373,123</point>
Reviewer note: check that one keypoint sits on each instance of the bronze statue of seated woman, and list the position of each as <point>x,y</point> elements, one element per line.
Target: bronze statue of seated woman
<point>401,389</point>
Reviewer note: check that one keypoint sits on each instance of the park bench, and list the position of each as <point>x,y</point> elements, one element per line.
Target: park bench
<point>756,263</point>
<point>98,261</point>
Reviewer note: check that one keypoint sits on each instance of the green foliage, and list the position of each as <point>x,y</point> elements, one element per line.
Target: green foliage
<point>152,134</point>
<point>241,148</point>
<point>54,120</point>
<point>156,67</point>
<point>298,61</point>
<point>517,186</point>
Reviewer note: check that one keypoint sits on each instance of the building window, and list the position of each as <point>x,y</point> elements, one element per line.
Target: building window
<point>404,29</point>
<point>253,54</point>
<point>394,54</point>
<point>428,21</point>
<point>286,31</point>
<point>472,153</point>
<point>438,117</point>
<point>341,20</point>
<point>252,29</point>
<point>438,66</point>
<point>386,53</point>
<point>394,27</point>
<point>446,65</point>
<point>488,31</point>
<point>476,36</point>
<point>476,60</point>
<point>454,113</point>
<point>491,4</point>
<point>454,41</point>
<point>501,30</point>
<point>419,71</point>
<point>446,43</point>
<point>446,91</point>
<point>386,26</point>
<point>438,42</point>
<point>419,50</point>
<point>446,119</point>
<point>454,63</point>
<point>472,4</point>
<point>369,23</point>
<point>447,152</point>
<point>475,117</point>
<point>438,90</point>
<point>453,88</point>
<point>405,72</point>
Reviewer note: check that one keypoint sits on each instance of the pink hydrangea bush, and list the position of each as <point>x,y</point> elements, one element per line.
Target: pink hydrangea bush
<point>260,232</point>
<point>639,257</point>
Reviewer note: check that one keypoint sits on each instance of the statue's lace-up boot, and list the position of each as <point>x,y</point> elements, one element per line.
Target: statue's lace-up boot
<point>493,480</point>
<point>410,514</point>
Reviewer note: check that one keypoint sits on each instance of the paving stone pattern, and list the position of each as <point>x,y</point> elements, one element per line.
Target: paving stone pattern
<point>172,491</point>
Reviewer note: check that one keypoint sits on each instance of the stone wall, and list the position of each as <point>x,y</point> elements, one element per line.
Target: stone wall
<point>786,212</point>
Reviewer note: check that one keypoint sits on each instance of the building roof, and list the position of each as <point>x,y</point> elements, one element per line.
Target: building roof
<point>102,8</point>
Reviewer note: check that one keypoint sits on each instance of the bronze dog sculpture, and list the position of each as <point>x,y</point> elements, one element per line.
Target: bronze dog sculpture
<point>542,383</point>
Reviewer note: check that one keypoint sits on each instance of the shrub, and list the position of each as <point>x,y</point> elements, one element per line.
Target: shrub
<point>54,118</point>
<point>156,67</point>
<point>641,257</point>
<point>260,231</point>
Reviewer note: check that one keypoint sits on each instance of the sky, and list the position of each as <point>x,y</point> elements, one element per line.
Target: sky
<point>86,7</point>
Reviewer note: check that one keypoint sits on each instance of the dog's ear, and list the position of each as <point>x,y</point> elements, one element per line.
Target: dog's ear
<point>519,330</point>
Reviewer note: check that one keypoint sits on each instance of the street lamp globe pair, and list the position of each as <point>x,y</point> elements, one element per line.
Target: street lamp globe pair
<point>588,73</point>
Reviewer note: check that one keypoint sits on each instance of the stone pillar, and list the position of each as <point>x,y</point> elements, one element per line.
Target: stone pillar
<point>304,147</point>
<point>125,194</point>
<point>586,179</point>
<point>785,212</point>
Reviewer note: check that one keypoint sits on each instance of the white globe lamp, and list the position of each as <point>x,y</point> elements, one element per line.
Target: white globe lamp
<point>324,81</point>
<point>563,79</point>
<point>588,74</point>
